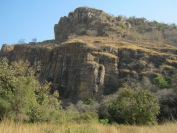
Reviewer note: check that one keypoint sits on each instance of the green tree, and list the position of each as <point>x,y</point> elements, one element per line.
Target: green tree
<point>134,106</point>
<point>17,88</point>
<point>21,95</point>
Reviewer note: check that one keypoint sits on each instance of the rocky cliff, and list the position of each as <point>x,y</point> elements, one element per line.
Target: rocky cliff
<point>92,65</point>
<point>84,21</point>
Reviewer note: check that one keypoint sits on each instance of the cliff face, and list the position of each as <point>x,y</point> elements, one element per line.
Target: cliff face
<point>89,66</point>
<point>88,70</point>
<point>72,66</point>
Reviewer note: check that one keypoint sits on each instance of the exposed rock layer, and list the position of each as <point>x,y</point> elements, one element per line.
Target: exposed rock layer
<point>88,67</point>
<point>85,72</point>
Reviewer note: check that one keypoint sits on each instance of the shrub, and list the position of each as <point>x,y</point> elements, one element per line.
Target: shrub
<point>103,110</point>
<point>104,121</point>
<point>168,101</point>
<point>118,29</point>
<point>160,82</point>
<point>89,102</point>
<point>147,84</point>
<point>134,106</point>
<point>86,117</point>
<point>91,32</point>
<point>141,28</point>
<point>122,25</point>
<point>174,26</point>
<point>4,108</point>
<point>105,29</point>
<point>109,17</point>
<point>119,18</point>
<point>82,31</point>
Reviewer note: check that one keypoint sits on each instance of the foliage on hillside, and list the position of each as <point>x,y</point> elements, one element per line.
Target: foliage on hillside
<point>23,98</point>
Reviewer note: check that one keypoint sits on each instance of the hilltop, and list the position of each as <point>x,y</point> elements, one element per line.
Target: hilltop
<point>94,22</point>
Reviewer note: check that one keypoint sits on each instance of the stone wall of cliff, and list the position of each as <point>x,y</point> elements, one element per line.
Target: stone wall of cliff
<point>81,71</point>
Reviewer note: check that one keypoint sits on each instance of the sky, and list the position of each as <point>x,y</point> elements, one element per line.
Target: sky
<point>28,19</point>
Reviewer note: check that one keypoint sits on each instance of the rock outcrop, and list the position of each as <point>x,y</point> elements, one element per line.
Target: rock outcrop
<point>83,21</point>
<point>81,71</point>
<point>91,66</point>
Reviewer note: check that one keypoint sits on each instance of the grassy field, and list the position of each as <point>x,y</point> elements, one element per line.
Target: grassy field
<point>10,127</point>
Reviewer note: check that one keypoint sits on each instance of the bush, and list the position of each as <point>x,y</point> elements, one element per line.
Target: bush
<point>82,31</point>
<point>89,102</point>
<point>104,111</point>
<point>104,121</point>
<point>134,106</point>
<point>105,29</point>
<point>168,101</point>
<point>4,108</point>
<point>141,28</point>
<point>160,82</point>
<point>122,25</point>
<point>88,117</point>
<point>119,18</point>
<point>81,107</point>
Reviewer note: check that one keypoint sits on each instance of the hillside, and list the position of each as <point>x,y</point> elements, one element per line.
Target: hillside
<point>95,53</point>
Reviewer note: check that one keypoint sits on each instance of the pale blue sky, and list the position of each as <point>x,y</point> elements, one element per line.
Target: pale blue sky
<point>26,19</point>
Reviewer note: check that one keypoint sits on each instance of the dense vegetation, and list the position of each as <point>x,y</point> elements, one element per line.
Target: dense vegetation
<point>134,106</point>
<point>24,99</point>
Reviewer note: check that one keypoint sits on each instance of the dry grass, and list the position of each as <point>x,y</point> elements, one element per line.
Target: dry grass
<point>167,67</point>
<point>100,43</point>
<point>105,54</point>
<point>9,127</point>
<point>117,42</point>
<point>91,63</point>
<point>133,72</point>
<point>96,42</point>
<point>171,61</point>
<point>114,43</point>
<point>125,70</point>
